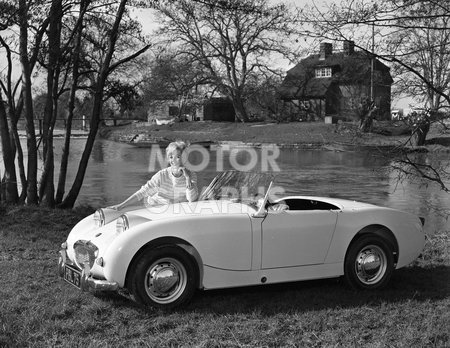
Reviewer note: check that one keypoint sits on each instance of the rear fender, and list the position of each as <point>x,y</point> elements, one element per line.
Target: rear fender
<point>382,232</point>
<point>401,230</point>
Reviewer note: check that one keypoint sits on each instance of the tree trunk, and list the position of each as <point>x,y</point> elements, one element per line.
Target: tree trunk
<point>23,179</point>
<point>71,197</point>
<point>239,108</point>
<point>8,184</point>
<point>14,112</point>
<point>47,188</point>
<point>368,114</point>
<point>65,154</point>
<point>32,196</point>
<point>68,131</point>
<point>420,133</point>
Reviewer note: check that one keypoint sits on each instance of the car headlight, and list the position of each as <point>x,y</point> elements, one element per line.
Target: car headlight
<point>85,253</point>
<point>122,224</point>
<point>99,218</point>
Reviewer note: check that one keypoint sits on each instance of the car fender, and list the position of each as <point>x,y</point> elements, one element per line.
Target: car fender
<point>222,241</point>
<point>406,228</point>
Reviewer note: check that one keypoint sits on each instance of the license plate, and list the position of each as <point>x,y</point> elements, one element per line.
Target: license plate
<point>72,276</point>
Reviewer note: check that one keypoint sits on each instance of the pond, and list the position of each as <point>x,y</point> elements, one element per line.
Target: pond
<point>117,170</point>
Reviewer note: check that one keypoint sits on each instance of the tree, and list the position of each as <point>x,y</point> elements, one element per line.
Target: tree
<point>424,46</point>
<point>46,189</point>
<point>75,63</point>
<point>107,66</point>
<point>230,39</point>
<point>17,93</point>
<point>62,32</point>
<point>415,43</point>
<point>8,187</point>
<point>366,111</point>
<point>125,94</point>
<point>174,76</point>
<point>264,100</point>
<point>26,65</point>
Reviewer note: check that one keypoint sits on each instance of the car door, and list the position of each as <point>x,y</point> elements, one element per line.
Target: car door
<point>296,238</point>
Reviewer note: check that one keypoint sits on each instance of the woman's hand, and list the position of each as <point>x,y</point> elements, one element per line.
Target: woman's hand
<point>187,175</point>
<point>186,172</point>
<point>115,207</point>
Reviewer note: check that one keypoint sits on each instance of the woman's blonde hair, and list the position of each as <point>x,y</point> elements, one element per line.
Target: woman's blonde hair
<point>175,145</point>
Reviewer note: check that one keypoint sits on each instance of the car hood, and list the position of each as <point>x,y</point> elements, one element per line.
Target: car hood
<point>191,209</point>
<point>86,229</point>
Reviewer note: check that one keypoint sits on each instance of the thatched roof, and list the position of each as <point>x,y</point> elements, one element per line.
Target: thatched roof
<point>313,88</point>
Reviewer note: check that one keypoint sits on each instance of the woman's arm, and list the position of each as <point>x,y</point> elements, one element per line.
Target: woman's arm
<point>191,185</point>
<point>150,188</point>
<point>133,200</point>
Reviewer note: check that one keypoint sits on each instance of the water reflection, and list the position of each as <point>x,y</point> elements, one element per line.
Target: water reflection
<point>424,198</point>
<point>116,170</point>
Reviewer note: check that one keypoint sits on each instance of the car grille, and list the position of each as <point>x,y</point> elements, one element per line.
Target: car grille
<point>85,253</point>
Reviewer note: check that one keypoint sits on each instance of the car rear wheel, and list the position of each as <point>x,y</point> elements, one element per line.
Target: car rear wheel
<point>164,277</point>
<point>369,263</point>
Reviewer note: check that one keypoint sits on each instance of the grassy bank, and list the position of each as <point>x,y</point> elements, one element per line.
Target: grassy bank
<point>38,309</point>
<point>308,134</point>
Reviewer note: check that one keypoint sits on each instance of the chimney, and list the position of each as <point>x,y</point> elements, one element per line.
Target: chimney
<point>349,47</point>
<point>326,50</point>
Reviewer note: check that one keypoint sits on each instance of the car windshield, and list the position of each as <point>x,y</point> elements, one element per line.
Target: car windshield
<point>245,187</point>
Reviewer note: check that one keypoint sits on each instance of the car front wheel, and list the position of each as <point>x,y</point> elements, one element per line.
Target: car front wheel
<point>163,277</point>
<point>369,263</point>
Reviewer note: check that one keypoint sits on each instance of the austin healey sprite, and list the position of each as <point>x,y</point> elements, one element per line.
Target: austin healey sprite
<point>237,234</point>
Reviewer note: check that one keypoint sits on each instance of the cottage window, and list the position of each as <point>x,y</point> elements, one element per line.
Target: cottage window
<point>323,72</point>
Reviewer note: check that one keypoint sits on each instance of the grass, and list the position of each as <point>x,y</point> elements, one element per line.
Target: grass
<point>37,309</point>
<point>306,134</point>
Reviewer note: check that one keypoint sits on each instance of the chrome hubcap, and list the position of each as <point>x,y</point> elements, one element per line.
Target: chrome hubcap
<point>370,264</point>
<point>165,280</point>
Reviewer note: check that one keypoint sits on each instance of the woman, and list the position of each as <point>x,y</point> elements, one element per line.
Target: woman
<point>173,184</point>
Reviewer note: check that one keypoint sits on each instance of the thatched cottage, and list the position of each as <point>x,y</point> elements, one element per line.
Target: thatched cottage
<point>336,83</point>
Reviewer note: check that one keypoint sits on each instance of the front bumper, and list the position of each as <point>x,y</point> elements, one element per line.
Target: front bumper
<point>87,282</point>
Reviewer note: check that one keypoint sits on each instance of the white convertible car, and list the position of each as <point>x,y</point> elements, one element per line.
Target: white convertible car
<point>236,235</point>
